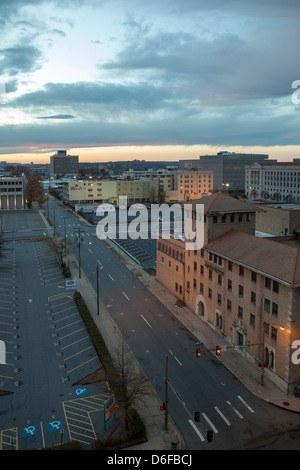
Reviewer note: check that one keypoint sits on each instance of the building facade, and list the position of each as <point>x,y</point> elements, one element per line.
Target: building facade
<point>228,168</point>
<point>109,191</point>
<point>274,181</point>
<point>245,287</point>
<point>12,193</point>
<point>62,164</point>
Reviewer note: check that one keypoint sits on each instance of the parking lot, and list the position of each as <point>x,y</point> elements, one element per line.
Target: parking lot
<point>48,353</point>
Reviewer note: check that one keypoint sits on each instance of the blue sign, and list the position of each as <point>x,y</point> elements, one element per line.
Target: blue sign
<point>29,430</point>
<point>79,392</point>
<point>54,425</point>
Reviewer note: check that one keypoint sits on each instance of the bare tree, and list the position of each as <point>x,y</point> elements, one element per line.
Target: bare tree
<point>129,383</point>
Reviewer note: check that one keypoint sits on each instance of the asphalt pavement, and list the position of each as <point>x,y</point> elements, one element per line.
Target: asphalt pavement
<point>149,409</point>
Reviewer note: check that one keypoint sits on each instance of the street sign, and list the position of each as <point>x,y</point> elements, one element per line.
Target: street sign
<point>109,408</point>
<point>70,284</point>
<point>243,346</point>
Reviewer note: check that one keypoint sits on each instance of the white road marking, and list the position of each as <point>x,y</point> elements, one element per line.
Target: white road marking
<point>235,410</point>
<point>246,404</point>
<point>99,262</point>
<point>196,430</point>
<point>175,358</point>
<point>90,251</point>
<point>222,416</point>
<point>126,296</point>
<point>110,277</point>
<point>210,423</point>
<point>146,321</point>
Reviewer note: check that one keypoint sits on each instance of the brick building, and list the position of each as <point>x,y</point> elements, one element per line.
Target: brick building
<point>245,287</point>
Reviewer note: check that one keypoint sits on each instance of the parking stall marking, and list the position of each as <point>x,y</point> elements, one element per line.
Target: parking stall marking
<point>78,416</point>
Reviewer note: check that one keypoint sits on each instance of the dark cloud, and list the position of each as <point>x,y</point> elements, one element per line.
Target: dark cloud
<point>20,59</point>
<point>58,116</point>
<point>142,96</point>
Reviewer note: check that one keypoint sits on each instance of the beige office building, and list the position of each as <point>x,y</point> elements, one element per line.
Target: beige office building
<point>109,191</point>
<point>12,193</point>
<point>245,287</point>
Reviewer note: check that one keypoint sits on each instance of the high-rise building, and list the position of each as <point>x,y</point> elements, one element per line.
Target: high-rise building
<point>228,168</point>
<point>62,164</point>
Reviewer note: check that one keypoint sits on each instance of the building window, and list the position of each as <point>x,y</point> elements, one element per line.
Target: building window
<point>215,219</point>
<point>195,266</point>
<point>274,333</point>
<point>209,293</point>
<point>201,288</point>
<point>219,300</point>
<point>241,271</point>
<point>275,286</point>
<point>195,284</point>
<point>252,319</point>
<point>176,268</point>
<point>162,259</point>
<point>253,276</point>
<point>240,312</point>
<point>188,286</point>
<point>267,305</point>
<point>241,291</point>
<point>219,280</point>
<point>229,305</point>
<point>267,283</point>
<point>229,285</point>
<point>210,274</point>
<point>201,269</point>
<point>253,297</point>
<point>274,308</point>
<point>229,265</point>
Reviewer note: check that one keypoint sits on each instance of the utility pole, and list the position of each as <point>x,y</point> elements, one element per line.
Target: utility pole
<point>166,386</point>
<point>65,232</point>
<point>166,394</point>
<point>79,240</point>
<point>97,290</point>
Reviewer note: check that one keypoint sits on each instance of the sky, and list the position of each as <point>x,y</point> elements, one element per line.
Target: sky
<point>160,80</point>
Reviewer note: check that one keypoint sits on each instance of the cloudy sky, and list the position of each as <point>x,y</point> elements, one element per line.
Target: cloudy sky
<point>115,79</point>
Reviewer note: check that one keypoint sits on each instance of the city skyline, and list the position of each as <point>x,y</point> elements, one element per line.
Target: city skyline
<point>159,81</point>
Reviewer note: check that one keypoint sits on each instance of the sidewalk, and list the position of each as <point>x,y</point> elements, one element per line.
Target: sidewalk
<point>149,410</point>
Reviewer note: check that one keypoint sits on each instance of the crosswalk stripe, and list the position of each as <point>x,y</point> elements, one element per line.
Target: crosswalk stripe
<point>210,423</point>
<point>246,404</point>
<point>196,430</point>
<point>235,410</point>
<point>222,416</point>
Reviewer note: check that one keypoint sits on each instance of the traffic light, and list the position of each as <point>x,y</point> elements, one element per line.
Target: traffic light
<point>209,435</point>
<point>163,407</point>
<point>218,350</point>
<point>198,353</point>
<point>197,415</point>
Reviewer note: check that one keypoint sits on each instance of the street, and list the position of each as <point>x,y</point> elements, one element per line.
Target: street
<point>239,419</point>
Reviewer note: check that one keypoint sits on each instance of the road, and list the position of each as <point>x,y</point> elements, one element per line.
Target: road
<point>239,419</point>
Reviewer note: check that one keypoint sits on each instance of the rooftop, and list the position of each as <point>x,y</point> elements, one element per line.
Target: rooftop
<point>222,203</point>
<point>274,259</point>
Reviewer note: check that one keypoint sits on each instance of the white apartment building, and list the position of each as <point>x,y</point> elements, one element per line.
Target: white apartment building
<point>275,181</point>
<point>12,193</point>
